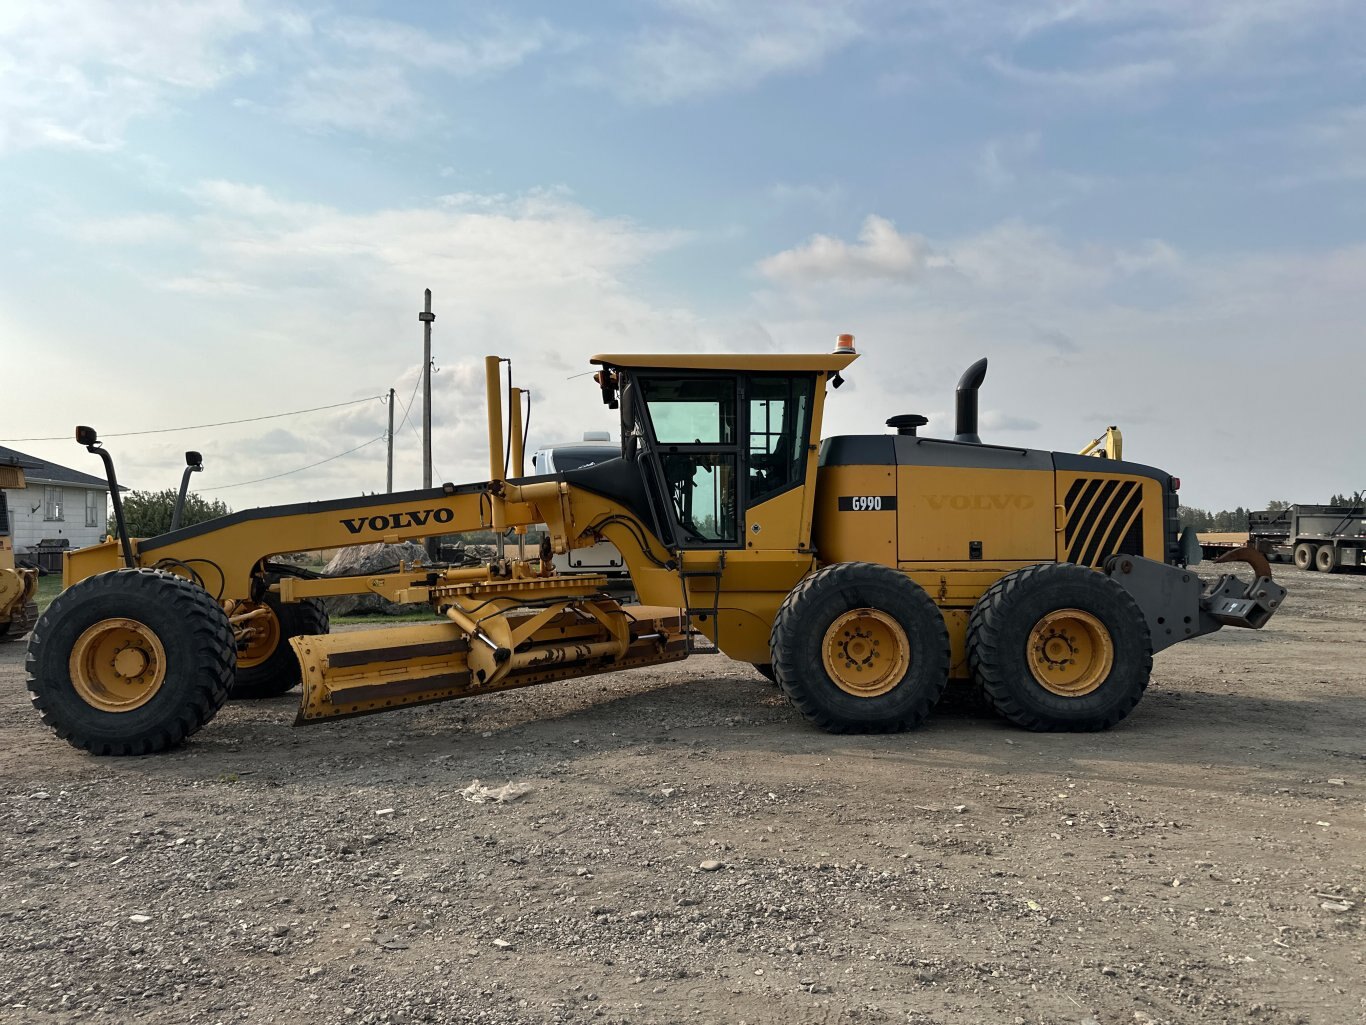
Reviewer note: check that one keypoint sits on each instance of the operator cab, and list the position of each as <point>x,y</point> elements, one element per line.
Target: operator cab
<point>717,440</point>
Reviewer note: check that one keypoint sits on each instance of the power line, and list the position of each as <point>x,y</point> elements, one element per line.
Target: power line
<point>276,476</point>
<point>408,408</point>
<point>413,427</point>
<point>221,423</point>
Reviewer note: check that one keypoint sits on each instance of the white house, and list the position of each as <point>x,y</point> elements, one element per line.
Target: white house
<point>58,503</point>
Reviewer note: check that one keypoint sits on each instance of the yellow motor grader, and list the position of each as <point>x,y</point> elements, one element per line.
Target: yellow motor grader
<point>18,610</point>
<point>860,573</point>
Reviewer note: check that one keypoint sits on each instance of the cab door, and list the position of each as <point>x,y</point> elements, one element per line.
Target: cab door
<point>693,429</point>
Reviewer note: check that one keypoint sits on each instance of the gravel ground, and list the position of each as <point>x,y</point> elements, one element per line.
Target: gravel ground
<point>689,851</point>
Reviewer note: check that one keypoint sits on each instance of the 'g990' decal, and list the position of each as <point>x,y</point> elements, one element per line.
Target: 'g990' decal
<point>866,503</point>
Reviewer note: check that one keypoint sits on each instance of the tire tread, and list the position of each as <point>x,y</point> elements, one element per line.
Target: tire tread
<point>991,670</point>
<point>787,623</point>
<point>212,675</point>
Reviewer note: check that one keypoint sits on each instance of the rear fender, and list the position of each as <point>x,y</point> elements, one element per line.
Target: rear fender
<point>93,559</point>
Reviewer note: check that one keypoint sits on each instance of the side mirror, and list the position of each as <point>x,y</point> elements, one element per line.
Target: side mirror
<point>86,436</point>
<point>1190,547</point>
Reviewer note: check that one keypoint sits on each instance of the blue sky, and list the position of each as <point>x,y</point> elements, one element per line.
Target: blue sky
<point>1149,214</point>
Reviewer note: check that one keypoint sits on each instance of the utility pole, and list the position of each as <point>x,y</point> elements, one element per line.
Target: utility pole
<point>389,474</point>
<point>427,316</point>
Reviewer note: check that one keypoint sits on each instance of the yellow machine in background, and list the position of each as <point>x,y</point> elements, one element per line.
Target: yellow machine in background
<point>1109,445</point>
<point>861,573</point>
<point>18,611</point>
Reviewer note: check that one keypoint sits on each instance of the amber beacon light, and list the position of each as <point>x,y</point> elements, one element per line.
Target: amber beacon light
<point>844,344</point>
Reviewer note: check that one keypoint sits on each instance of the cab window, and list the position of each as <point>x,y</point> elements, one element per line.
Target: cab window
<point>724,444</point>
<point>691,411</point>
<point>779,419</point>
<point>696,426</point>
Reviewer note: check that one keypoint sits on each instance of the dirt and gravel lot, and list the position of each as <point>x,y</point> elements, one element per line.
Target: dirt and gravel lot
<point>1203,862</point>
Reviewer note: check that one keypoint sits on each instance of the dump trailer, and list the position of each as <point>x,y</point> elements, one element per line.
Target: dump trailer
<point>1318,537</point>
<point>861,573</point>
<point>18,610</point>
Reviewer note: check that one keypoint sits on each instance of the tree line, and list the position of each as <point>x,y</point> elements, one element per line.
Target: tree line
<point>149,512</point>
<point>1232,520</point>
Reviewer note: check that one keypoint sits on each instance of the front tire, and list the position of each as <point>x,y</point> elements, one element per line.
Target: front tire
<point>860,648</point>
<point>1058,646</point>
<point>130,662</point>
<point>765,669</point>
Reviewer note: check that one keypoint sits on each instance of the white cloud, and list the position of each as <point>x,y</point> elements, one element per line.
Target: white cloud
<point>1331,148</point>
<point>374,100</point>
<point>1169,344</point>
<point>74,74</point>
<point>880,254</point>
<point>703,47</point>
<point>996,420</point>
<point>1085,51</point>
<point>300,304</point>
<point>997,160</point>
<point>497,45</point>
<point>1098,84</point>
<point>811,195</point>
<point>1011,258</point>
<point>77,73</point>
<point>359,76</point>
<point>131,230</point>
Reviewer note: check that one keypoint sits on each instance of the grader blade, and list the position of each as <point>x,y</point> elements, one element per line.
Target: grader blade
<point>353,674</point>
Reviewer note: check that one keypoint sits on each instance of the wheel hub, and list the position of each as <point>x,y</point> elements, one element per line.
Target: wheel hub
<point>131,662</point>
<point>865,652</point>
<point>1070,652</point>
<point>117,665</point>
<point>256,629</point>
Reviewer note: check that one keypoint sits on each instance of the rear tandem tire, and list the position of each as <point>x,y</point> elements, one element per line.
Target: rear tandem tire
<point>1326,559</point>
<point>860,648</point>
<point>1058,646</point>
<point>130,662</point>
<point>1305,555</point>
<point>273,672</point>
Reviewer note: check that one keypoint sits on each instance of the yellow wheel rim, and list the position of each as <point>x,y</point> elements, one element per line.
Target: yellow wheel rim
<point>117,665</point>
<point>261,632</point>
<point>1070,652</point>
<point>866,652</point>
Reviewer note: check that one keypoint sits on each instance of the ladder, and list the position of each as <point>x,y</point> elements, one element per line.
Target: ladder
<point>712,573</point>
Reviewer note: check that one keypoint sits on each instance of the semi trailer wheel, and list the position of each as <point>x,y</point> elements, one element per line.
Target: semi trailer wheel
<point>266,664</point>
<point>1305,555</point>
<point>130,662</point>
<point>1326,559</point>
<point>1060,647</point>
<point>860,648</point>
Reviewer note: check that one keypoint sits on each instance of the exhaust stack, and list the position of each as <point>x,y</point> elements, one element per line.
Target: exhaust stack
<point>966,426</point>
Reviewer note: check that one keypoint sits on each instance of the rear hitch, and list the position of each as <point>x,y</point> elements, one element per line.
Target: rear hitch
<point>1179,606</point>
<point>1232,602</point>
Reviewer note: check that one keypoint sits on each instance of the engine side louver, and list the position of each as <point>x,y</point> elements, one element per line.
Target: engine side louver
<point>1103,518</point>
